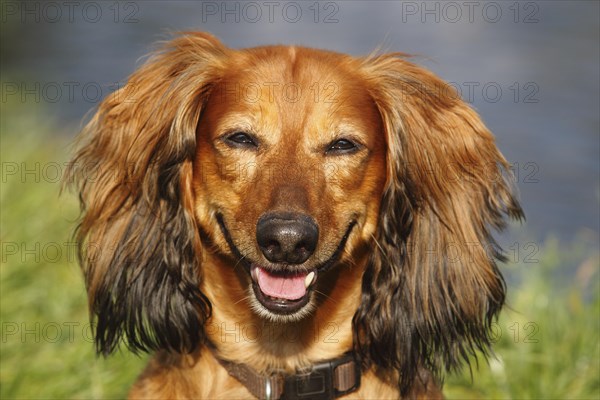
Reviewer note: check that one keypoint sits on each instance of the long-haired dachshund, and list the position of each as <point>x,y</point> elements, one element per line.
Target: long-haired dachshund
<point>288,223</point>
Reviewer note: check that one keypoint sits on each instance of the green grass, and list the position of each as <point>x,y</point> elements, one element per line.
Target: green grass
<point>46,349</point>
<point>547,343</point>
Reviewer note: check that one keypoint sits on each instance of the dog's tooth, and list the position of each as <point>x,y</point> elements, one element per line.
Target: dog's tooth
<point>309,279</point>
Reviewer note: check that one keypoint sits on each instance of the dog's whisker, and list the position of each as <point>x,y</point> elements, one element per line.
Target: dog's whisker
<point>238,262</point>
<point>243,299</point>
<point>380,247</point>
<point>325,296</point>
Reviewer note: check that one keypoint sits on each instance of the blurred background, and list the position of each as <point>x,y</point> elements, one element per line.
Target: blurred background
<point>530,68</point>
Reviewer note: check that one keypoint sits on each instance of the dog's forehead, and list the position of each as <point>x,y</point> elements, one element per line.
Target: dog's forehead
<point>294,90</point>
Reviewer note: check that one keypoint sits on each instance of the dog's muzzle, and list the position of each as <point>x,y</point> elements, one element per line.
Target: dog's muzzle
<point>283,285</point>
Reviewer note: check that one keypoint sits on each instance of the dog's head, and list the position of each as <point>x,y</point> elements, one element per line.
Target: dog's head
<point>289,173</point>
<point>275,178</point>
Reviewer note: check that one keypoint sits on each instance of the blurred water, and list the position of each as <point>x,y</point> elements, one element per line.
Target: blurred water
<point>542,57</point>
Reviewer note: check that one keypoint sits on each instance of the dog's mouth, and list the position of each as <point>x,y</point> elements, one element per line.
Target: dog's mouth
<point>280,288</point>
<point>282,292</point>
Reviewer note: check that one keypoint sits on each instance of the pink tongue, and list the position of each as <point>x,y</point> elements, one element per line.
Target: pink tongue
<point>283,287</point>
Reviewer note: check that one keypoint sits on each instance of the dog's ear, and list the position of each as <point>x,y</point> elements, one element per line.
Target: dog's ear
<point>432,287</point>
<point>139,245</point>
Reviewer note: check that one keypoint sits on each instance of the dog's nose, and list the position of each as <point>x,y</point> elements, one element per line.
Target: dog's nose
<point>287,237</point>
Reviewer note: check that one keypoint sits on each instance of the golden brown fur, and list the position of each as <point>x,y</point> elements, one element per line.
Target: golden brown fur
<point>415,286</point>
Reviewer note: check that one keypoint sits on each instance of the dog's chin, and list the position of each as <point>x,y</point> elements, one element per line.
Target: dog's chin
<point>274,315</point>
<point>282,296</point>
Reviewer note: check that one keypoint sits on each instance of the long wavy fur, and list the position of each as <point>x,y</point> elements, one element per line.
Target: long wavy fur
<point>432,287</point>
<point>139,245</point>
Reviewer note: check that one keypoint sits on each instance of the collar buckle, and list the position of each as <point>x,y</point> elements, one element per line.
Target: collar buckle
<point>327,380</point>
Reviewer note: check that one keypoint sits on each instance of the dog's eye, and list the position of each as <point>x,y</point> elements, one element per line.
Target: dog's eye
<point>341,146</point>
<point>241,139</point>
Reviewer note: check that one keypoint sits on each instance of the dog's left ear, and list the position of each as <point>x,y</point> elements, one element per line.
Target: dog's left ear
<point>139,245</point>
<point>432,287</point>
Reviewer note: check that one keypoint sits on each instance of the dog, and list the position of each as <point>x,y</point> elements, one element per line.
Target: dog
<point>283,222</point>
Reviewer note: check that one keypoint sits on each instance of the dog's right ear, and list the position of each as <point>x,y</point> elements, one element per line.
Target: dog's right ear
<point>139,243</point>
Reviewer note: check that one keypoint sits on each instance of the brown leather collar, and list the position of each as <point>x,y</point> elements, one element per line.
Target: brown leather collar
<point>327,380</point>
